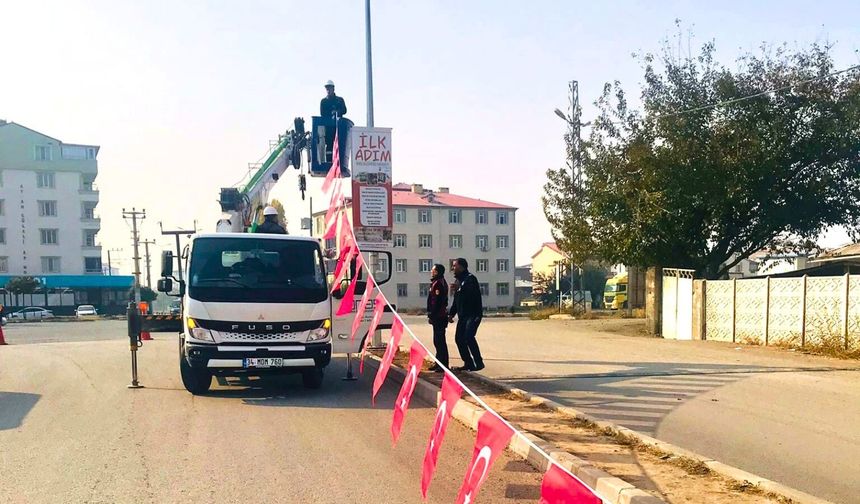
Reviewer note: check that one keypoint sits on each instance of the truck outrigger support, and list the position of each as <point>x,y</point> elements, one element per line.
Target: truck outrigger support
<point>349,375</point>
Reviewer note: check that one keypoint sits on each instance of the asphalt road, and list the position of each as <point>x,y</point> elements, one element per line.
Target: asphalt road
<point>789,417</point>
<point>70,431</point>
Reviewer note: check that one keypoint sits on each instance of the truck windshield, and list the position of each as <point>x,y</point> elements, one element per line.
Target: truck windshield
<point>256,270</point>
<point>610,288</point>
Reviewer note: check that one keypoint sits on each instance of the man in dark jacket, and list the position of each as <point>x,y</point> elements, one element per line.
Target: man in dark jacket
<point>270,222</point>
<point>332,106</point>
<point>469,309</point>
<point>437,314</point>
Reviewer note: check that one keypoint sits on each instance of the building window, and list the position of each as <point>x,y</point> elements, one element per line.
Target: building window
<point>501,265</point>
<point>42,153</point>
<point>481,217</point>
<point>89,210</point>
<point>45,180</point>
<point>330,243</point>
<point>485,289</point>
<point>381,266</point>
<point>482,265</point>
<point>503,289</point>
<point>92,264</point>
<point>424,217</point>
<point>400,265</point>
<point>455,217</point>
<point>3,235</point>
<point>425,265</point>
<point>50,264</point>
<point>502,218</point>
<point>400,240</point>
<point>48,236</point>
<point>2,207</point>
<point>47,208</point>
<point>402,290</point>
<point>455,241</point>
<point>425,241</point>
<point>423,289</point>
<point>4,264</point>
<point>399,216</point>
<point>90,237</point>
<point>502,242</point>
<point>482,243</point>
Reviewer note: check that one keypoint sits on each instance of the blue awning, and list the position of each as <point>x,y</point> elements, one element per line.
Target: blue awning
<point>79,281</point>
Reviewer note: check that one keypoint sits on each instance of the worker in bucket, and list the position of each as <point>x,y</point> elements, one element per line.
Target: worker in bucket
<point>270,222</point>
<point>334,107</point>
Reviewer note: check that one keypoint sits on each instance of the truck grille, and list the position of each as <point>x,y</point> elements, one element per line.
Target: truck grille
<point>255,337</point>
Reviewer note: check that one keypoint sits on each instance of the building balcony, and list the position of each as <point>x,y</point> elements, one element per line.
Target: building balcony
<point>92,248</point>
<point>89,189</point>
<point>91,220</point>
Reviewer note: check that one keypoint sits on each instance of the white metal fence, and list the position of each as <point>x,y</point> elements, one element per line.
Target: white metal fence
<point>677,313</point>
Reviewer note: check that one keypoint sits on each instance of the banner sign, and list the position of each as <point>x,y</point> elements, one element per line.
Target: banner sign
<point>372,212</point>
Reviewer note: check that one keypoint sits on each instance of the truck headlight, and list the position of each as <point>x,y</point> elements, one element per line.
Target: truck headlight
<point>321,332</point>
<point>199,333</point>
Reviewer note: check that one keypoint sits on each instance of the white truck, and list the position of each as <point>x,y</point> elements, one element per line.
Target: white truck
<point>256,303</point>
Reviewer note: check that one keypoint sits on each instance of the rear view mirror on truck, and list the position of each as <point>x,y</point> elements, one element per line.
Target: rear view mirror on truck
<point>166,265</point>
<point>165,285</point>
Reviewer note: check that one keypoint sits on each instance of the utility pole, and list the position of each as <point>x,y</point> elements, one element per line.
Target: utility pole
<point>146,244</point>
<point>574,157</point>
<point>369,64</point>
<point>110,267</point>
<point>135,215</point>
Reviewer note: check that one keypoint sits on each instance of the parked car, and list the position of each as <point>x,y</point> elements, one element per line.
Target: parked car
<point>86,310</point>
<point>32,313</point>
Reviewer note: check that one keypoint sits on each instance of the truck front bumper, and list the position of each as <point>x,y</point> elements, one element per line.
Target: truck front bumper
<point>232,357</point>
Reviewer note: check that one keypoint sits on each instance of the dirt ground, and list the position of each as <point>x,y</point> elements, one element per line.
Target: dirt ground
<point>673,479</point>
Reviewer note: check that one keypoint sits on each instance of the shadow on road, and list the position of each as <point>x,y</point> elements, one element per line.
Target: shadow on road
<point>642,394</point>
<point>14,407</point>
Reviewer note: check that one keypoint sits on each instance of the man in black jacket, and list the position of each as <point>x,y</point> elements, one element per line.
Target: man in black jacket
<point>332,106</point>
<point>469,309</point>
<point>437,314</point>
<point>270,222</point>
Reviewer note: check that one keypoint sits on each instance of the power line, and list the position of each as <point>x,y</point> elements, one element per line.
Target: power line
<point>748,97</point>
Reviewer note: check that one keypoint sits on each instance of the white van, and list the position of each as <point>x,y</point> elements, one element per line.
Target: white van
<point>256,304</point>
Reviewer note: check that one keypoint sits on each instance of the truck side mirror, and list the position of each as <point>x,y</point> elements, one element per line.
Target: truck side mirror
<point>166,264</point>
<point>165,285</point>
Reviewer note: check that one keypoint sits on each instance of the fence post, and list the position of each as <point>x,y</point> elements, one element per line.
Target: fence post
<point>767,312</point>
<point>734,307</point>
<point>845,312</point>
<point>803,316</point>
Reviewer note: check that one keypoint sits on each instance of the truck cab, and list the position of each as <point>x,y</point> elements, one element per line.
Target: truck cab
<point>615,292</point>
<point>256,304</point>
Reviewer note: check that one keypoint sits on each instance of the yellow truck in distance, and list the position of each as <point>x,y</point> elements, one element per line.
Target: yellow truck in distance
<point>615,292</point>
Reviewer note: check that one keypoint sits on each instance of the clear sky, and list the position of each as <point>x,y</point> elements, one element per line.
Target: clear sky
<point>182,95</point>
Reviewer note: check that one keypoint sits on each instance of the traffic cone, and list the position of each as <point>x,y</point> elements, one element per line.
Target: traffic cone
<point>145,336</point>
<point>2,338</point>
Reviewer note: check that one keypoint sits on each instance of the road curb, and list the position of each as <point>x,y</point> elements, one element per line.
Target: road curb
<point>717,467</point>
<point>611,489</point>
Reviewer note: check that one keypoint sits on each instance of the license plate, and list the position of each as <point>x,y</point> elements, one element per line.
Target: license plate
<point>263,362</point>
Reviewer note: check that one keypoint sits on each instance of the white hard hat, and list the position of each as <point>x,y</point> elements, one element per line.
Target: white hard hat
<point>329,83</point>
<point>270,210</point>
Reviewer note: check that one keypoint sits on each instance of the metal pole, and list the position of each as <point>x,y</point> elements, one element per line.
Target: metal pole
<point>134,215</point>
<point>146,244</point>
<point>311,215</point>
<point>369,64</point>
<point>110,273</point>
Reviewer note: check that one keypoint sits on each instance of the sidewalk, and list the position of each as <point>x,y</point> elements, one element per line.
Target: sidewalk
<point>784,416</point>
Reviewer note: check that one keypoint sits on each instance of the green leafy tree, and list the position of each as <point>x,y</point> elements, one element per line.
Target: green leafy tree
<point>22,285</point>
<point>718,164</point>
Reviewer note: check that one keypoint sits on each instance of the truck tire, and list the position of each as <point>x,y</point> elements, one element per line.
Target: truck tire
<point>312,378</point>
<point>196,381</point>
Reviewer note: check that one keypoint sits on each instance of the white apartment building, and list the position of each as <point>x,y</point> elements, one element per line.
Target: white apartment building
<point>48,221</point>
<point>436,227</point>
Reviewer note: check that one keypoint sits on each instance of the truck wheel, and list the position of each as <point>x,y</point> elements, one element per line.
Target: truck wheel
<point>196,381</point>
<point>312,378</point>
<point>624,305</point>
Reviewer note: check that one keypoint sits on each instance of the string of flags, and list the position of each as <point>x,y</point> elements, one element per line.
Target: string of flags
<point>559,486</point>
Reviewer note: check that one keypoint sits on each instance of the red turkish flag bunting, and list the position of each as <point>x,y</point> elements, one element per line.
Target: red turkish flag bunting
<point>378,309</point>
<point>451,391</point>
<point>362,307</point>
<point>334,171</point>
<point>331,215</point>
<point>559,487</point>
<point>492,438</point>
<point>346,303</point>
<point>416,360</point>
<point>388,357</point>
<point>342,267</point>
